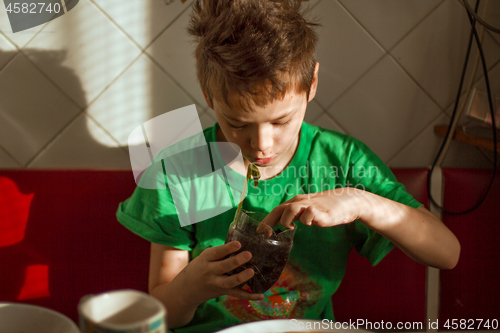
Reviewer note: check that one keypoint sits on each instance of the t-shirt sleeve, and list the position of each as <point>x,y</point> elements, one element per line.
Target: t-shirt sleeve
<point>151,214</point>
<point>368,243</point>
<point>368,172</point>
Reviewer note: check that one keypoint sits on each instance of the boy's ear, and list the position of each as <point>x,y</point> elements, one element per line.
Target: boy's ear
<point>207,99</point>
<point>314,83</point>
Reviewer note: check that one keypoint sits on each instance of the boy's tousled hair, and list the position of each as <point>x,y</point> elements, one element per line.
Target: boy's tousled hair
<point>252,51</point>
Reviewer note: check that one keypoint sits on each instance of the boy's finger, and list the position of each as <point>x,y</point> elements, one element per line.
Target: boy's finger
<point>271,219</point>
<point>243,294</point>
<point>308,215</point>
<point>222,251</point>
<point>228,264</point>
<point>292,213</point>
<point>229,282</point>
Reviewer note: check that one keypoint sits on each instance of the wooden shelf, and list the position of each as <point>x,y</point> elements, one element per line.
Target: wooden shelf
<point>460,136</point>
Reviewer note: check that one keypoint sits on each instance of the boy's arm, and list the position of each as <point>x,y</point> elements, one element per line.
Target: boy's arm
<point>165,264</point>
<point>417,232</point>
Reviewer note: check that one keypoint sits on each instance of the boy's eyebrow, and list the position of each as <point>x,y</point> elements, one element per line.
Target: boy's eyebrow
<point>239,121</point>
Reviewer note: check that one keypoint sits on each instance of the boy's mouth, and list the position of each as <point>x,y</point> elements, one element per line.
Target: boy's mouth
<point>262,161</point>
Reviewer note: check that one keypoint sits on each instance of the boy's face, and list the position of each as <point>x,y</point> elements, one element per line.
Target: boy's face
<point>267,136</point>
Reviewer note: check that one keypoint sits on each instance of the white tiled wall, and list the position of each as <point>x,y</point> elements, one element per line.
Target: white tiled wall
<point>73,89</point>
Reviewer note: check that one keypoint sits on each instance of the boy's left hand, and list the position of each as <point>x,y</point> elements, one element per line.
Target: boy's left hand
<point>323,209</point>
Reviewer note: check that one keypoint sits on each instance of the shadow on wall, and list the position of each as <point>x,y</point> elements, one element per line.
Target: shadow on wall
<point>41,126</point>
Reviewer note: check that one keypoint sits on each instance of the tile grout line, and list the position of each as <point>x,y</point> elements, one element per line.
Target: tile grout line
<point>175,82</point>
<point>375,40</point>
<point>482,151</point>
<point>319,106</point>
<point>107,86</point>
<point>168,26</point>
<point>173,79</point>
<point>492,37</point>
<point>309,9</point>
<point>415,81</point>
<point>488,33</point>
<point>21,47</point>
<point>49,79</point>
<point>35,35</point>
<point>130,65</point>
<point>476,82</point>
<point>480,68</point>
<point>315,99</point>
<point>104,89</point>
<point>90,102</point>
<point>85,108</point>
<point>416,137</point>
<point>363,28</point>
<point>195,100</point>
<point>21,53</point>
<point>146,53</point>
<point>388,54</point>
<point>2,148</point>
<point>493,66</point>
<point>415,26</point>
<point>116,24</point>
<point>476,52</point>
<point>8,40</point>
<point>54,137</point>
<point>355,82</point>
<point>82,109</point>
<point>63,3</point>
<point>16,49</point>
<point>335,121</point>
<point>85,113</point>
<point>9,61</point>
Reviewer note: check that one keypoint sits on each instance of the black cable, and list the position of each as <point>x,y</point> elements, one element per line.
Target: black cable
<point>478,18</point>
<point>485,70</point>
<point>457,99</point>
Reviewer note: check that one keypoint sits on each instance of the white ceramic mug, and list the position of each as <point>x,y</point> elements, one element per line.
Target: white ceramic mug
<point>123,311</point>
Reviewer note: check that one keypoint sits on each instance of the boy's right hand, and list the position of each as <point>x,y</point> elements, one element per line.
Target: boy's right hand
<point>205,276</point>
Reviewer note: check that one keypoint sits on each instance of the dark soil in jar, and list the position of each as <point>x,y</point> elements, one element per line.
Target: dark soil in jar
<point>269,256</point>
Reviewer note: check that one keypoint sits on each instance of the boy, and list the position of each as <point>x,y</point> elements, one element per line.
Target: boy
<point>256,67</point>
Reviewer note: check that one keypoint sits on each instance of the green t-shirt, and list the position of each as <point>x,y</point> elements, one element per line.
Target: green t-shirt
<point>324,160</point>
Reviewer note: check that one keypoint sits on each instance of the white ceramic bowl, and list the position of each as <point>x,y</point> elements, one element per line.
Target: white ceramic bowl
<point>286,325</point>
<point>17,318</point>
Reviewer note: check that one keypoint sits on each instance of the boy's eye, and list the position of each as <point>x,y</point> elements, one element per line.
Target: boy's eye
<point>283,124</point>
<point>242,126</point>
<point>236,127</point>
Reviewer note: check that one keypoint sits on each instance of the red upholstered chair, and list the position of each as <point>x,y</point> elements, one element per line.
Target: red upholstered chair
<point>472,289</point>
<point>72,244</point>
<point>59,240</point>
<point>393,290</point>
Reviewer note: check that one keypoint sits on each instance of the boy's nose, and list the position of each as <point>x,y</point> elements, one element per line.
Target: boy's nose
<point>262,139</point>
